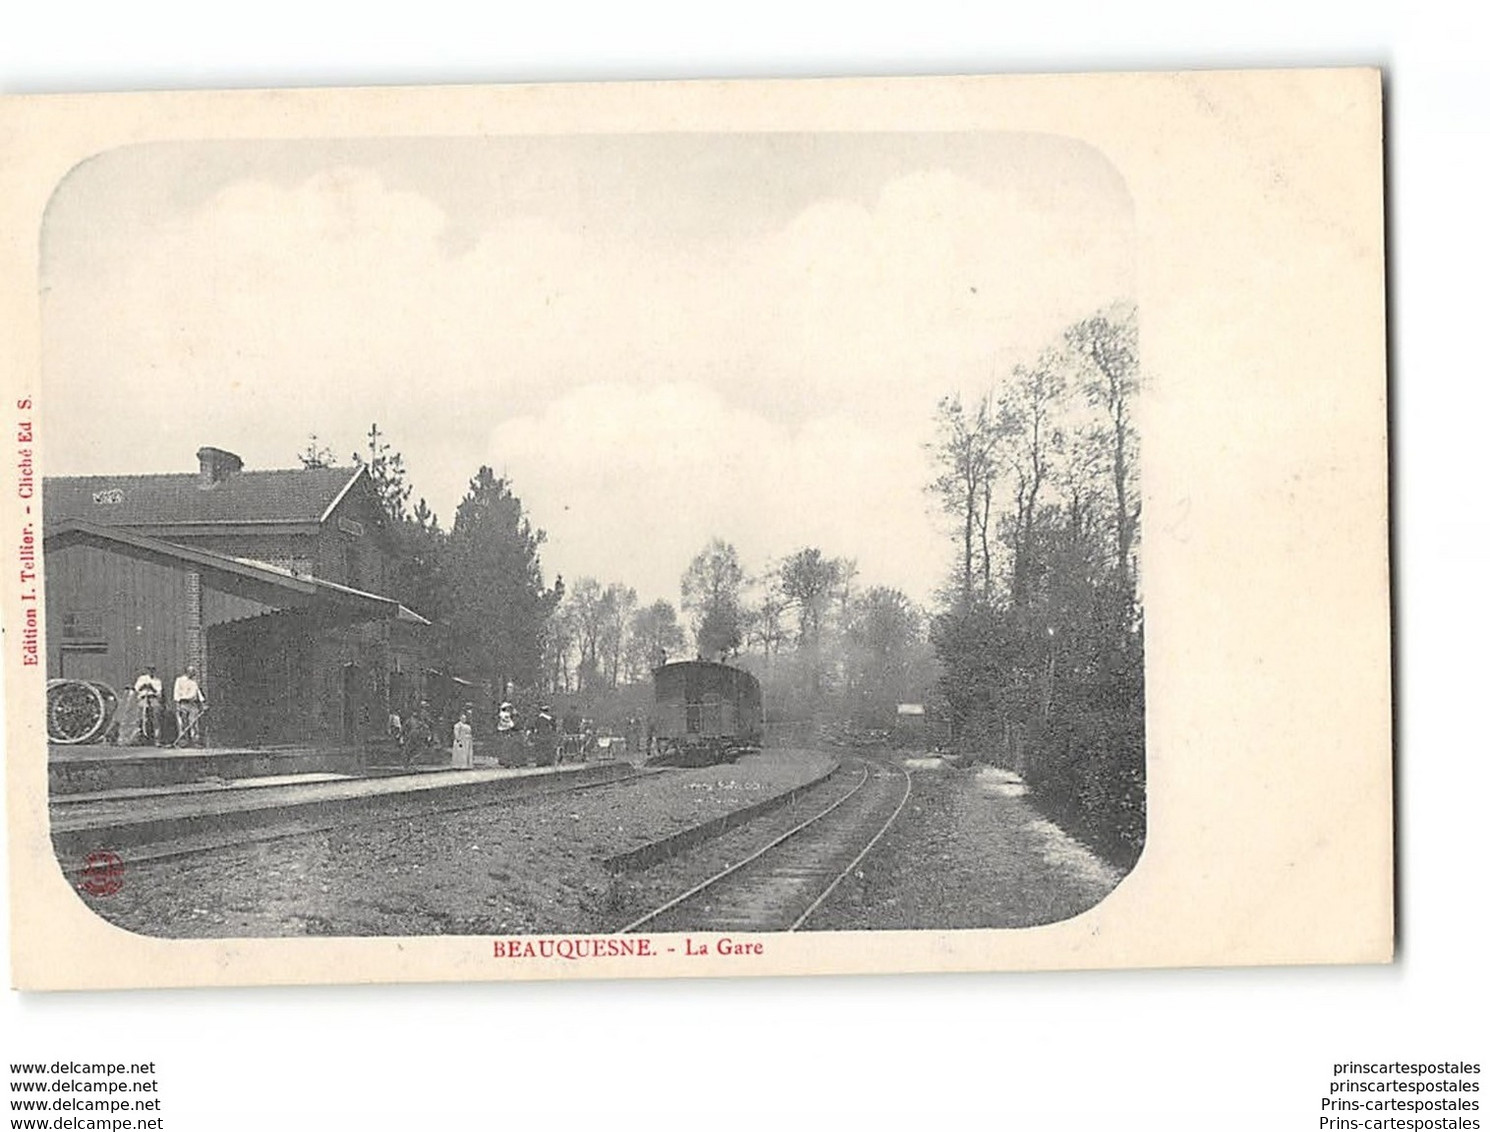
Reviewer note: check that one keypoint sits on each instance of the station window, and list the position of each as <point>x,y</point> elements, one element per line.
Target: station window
<point>82,625</point>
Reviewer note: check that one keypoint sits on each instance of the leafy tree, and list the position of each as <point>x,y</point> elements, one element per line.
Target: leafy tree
<point>500,606</point>
<point>421,576</point>
<point>654,636</point>
<point>718,631</point>
<point>886,625</point>
<point>883,641</point>
<point>811,582</point>
<point>808,582</point>
<point>711,595</point>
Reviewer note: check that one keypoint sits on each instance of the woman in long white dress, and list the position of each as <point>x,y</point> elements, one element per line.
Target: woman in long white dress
<point>463,752</point>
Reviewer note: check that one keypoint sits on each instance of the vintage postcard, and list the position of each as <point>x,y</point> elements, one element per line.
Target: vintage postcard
<point>715,528</point>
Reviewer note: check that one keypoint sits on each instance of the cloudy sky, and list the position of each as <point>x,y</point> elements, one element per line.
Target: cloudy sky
<point>657,338</point>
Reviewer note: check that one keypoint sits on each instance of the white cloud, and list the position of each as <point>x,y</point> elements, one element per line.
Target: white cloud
<point>771,389</point>
<point>631,484</point>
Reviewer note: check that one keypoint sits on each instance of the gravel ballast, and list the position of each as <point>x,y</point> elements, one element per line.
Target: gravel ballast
<point>525,866</point>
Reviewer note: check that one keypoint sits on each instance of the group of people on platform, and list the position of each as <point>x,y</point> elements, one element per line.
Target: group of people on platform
<point>416,731</point>
<point>542,741</point>
<point>538,742</point>
<point>187,699</point>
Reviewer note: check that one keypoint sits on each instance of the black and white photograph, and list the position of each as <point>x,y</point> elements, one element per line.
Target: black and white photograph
<point>584,534</point>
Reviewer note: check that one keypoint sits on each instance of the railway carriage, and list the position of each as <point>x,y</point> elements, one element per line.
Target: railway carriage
<point>704,713</point>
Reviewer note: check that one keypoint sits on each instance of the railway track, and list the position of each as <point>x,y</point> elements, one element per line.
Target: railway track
<point>782,884</point>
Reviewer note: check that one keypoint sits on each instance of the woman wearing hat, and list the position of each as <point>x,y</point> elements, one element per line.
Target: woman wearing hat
<point>506,733</point>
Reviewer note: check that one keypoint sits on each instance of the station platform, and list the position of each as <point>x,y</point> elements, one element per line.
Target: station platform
<point>91,769</point>
<point>128,817</point>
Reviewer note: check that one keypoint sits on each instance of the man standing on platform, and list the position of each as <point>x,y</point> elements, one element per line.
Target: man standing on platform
<point>190,703</point>
<point>546,737</point>
<point>147,694</point>
<point>418,734</point>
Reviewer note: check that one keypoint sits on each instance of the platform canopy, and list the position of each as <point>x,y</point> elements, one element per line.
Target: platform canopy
<point>259,583</point>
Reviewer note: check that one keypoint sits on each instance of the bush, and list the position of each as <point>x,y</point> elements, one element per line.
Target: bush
<point>1089,775</point>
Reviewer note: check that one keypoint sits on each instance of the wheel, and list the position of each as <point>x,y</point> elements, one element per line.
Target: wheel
<point>77,711</point>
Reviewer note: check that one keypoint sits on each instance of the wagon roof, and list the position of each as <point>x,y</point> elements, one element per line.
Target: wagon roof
<point>677,664</point>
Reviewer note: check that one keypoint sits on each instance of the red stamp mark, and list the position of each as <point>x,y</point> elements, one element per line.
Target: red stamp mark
<point>103,873</point>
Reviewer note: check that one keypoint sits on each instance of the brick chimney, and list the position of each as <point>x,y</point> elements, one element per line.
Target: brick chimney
<point>215,465</point>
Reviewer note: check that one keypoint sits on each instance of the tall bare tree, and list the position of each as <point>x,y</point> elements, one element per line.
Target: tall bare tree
<point>586,602</point>
<point>385,467</point>
<point>845,592</point>
<point>316,454</point>
<point>558,649</point>
<point>1107,347</point>
<point>1027,422</point>
<point>616,607</point>
<point>963,454</point>
<point>764,617</point>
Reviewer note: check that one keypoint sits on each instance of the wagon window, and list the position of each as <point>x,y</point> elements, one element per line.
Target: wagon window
<point>713,713</point>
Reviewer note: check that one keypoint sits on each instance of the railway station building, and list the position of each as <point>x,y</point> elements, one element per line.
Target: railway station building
<point>272,583</point>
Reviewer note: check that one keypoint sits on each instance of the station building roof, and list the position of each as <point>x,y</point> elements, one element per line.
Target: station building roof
<point>288,495</point>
